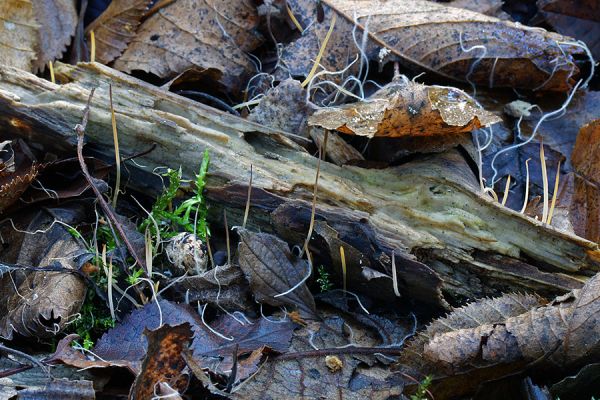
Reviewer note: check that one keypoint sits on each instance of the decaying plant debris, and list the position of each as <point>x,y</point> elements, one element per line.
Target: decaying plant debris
<point>270,200</point>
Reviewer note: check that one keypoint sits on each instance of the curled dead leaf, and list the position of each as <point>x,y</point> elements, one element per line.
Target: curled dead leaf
<point>407,109</point>
<point>41,303</point>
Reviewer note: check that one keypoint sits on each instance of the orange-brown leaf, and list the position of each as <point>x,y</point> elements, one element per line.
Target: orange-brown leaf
<point>164,361</point>
<point>409,109</point>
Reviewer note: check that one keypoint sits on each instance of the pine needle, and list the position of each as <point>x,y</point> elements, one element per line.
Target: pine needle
<point>545,182</point>
<point>555,194</point>
<point>293,18</point>
<point>343,258</point>
<point>116,144</point>
<point>320,54</point>
<point>93,47</point>
<point>526,186</point>
<point>51,67</point>
<point>506,189</point>
<point>247,211</point>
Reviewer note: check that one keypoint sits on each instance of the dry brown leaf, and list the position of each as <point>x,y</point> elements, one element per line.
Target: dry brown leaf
<point>18,34</point>
<point>487,7</point>
<point>562,334</point>
<point>40,303</point>
<point>579,196</point>
<point>310,378</point>
<point>407,109</point>
<point>58,20</point>
<point>585,9</point>
<point>272,270</point>
<point>428,36</point>
<point>206,34</point>
<point>116,27</point>
<point>35,32</point>
<point>577,18</point>
<point>470,316</point>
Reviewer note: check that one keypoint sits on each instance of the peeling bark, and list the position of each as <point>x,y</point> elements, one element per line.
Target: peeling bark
<point>450,242</point>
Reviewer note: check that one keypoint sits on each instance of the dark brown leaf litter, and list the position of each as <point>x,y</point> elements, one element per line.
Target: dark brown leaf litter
<point>200,34</point>
<point>359,377</point>
<point>434,37</point>
<point>41,303</point>
<point>276,276</point>
<point>578,203</point>
<point>125,345</point>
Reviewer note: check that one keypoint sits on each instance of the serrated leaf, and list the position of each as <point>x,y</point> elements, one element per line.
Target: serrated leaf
<point>428,37</point>
<point>116,27</point>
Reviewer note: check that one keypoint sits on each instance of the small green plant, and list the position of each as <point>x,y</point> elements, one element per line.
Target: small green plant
<point>421,393</point>
<point>135,276</point>
<point>95,319</point>
<point>189,216</point>
<point>324,279</point>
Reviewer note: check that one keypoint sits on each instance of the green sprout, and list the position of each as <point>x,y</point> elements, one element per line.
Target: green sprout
<point>324,279</point>
<point>421,393</point>
<point>189,216</point>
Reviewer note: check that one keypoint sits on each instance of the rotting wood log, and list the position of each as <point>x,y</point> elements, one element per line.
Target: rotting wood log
<point>449,241</point>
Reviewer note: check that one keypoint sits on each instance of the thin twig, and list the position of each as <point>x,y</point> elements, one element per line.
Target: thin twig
<point>18,353</point>
<point>80,130</point>
<point>394,351</point>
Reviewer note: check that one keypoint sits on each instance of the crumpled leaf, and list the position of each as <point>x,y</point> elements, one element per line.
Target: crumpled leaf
<point>203,34</point>
<point>562,334</point>
<point>271,270</point>
<point>116,27</point>
<point>309,377</point>
<point>40,303</point>
<point>16,174</point>
<point>428,36</point>
<point>490,311</point>
<point>223,286</point>
<point>125,345</point>
<point>35,32</point>
<point>283,107</point>
<point>164,362</point>
<point>406,109</point>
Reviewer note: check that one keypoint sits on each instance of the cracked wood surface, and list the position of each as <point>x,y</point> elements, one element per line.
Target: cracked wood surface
<point>450,242</point>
